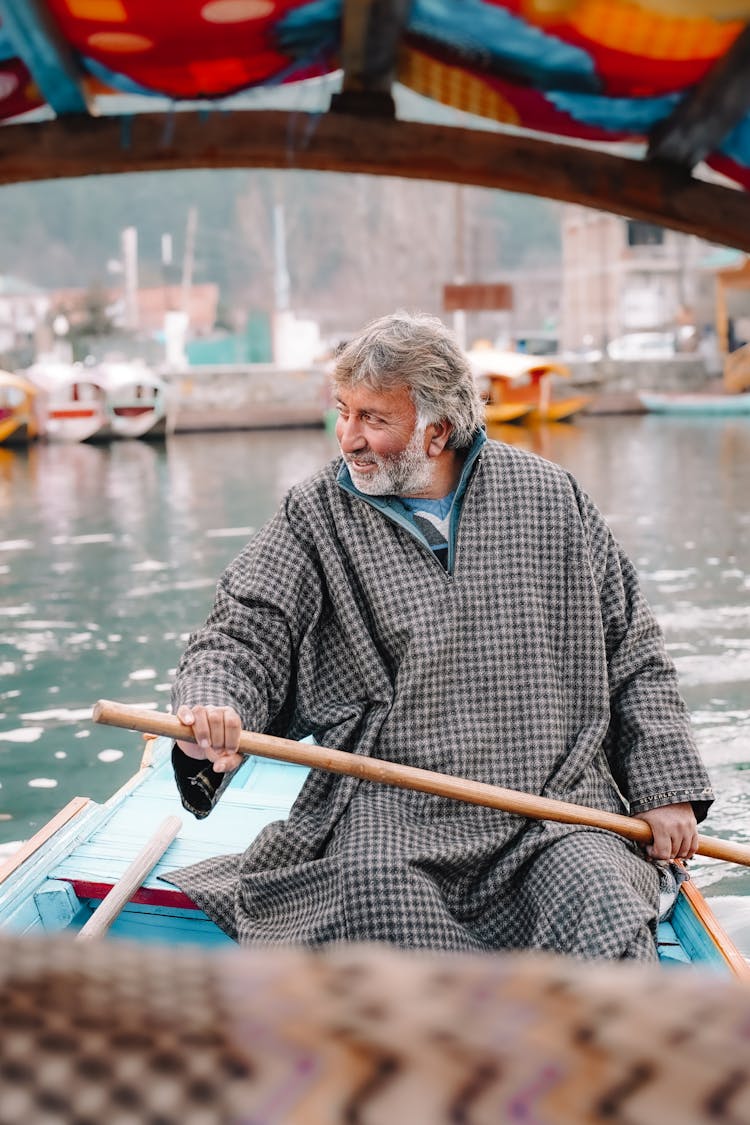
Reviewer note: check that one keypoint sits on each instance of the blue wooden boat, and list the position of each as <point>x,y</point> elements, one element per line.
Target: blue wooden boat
<point>678,403</point>
<point>59,877</point>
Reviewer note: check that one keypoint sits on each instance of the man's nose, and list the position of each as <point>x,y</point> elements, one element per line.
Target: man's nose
<point>349,433</point>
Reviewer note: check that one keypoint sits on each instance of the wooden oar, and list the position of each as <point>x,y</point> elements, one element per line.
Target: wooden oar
<point>131,880</point>
<point>409,777</point>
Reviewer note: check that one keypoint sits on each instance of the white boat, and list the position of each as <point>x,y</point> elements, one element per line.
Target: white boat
<point>71,401</point>
<point>136,400</point>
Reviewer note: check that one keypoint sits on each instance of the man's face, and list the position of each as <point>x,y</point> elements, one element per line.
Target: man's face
<point>384,447</point>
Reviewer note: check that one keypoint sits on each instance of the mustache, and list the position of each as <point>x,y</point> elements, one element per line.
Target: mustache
<point>368,458</point>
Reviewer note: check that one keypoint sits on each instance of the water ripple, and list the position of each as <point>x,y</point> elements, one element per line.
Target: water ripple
<point>22,734</point>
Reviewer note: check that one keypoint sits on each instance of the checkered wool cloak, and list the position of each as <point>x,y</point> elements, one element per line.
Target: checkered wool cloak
<point>535,665</point>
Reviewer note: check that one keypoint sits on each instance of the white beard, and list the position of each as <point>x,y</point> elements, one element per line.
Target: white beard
<point>409,473</point>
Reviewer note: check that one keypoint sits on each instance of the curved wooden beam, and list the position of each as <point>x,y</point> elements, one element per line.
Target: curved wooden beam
<point>334,142</point>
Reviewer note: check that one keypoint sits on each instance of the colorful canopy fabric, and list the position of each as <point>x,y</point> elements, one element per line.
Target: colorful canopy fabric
<point>596,70</point>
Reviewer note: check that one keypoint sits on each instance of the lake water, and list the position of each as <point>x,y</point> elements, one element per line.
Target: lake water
<point>109,556</point>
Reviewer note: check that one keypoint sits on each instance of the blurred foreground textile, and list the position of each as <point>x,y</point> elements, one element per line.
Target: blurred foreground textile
<point>114,1033</point>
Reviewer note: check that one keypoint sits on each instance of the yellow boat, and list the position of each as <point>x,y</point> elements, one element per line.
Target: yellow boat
<point>496,413</point>
<point>520,386</point>
<point>17,412</point>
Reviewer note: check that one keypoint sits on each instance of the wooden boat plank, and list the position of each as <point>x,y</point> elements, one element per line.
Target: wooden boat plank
<point>58,904</point>
<point>261,792</point>
<point>278,782</point>
<point>24,917</point>
<point>18,911</point>
<point>152,926</point>
<point>66,814</point>
<point>105,860</point>
<point>702,934</point>
<point>670,946</point>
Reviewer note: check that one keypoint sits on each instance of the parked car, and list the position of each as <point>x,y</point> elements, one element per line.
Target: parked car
<point>643,345</point>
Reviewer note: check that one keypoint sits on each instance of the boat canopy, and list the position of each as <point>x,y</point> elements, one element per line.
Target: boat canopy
<point>17,382</point>
<point>631,107</point>
<point>513,366</point>
<point>57,376</point>
<point>117,376</point>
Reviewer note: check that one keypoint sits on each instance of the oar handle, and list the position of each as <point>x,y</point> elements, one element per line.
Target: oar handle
<point>409,777</point>
<point>131,880</point>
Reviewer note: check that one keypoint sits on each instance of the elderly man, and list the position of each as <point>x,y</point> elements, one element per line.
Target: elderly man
<point>453,603</point>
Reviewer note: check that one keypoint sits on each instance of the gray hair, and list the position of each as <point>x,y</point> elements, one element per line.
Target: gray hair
<point>420,353</point>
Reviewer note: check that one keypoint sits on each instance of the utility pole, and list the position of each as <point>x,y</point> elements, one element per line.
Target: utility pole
<point>129,243</point>
<point>459,265</point>
<point>281,284</point>
<point>282,318</point>
<point>188,258</point>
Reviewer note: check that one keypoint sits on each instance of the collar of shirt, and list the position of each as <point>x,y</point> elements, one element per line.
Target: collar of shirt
<point>394,508</point>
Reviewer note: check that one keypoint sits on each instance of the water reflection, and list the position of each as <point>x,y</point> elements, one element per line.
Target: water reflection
<point>549,440</point>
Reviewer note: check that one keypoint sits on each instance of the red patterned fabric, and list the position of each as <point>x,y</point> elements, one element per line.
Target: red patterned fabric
<point>603,70</point>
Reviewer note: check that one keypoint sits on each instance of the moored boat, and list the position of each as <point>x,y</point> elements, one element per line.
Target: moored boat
<point>522,386</point>
<point>18,421</point>
<point>698,403</point>
<point>72,403</point>
<point>56,881</point>
<point>136,400</point>
<point>497,413</point>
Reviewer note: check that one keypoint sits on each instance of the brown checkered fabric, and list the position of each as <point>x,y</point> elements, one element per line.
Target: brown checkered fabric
<point>109,1034</point>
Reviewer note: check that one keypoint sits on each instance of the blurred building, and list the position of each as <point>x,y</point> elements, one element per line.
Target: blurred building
<point>23,308</point>
<point>534,315</point>
<point>622,276</point>
<point>152,305</point>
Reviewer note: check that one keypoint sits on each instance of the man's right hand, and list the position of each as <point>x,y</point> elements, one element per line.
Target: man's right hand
<point>217,735</point>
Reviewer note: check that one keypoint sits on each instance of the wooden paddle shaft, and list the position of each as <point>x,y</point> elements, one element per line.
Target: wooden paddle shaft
<point>131,880</point>
<point>409,777</point>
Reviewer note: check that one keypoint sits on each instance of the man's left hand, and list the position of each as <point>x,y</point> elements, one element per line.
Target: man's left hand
<point>675,831</point>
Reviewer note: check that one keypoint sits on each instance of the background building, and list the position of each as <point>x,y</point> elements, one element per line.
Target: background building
<point>622,276</point>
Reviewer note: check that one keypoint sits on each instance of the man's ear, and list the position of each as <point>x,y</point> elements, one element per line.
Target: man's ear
<point>438,434</point>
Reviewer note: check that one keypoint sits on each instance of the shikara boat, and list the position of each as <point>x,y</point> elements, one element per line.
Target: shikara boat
<point>497,413</point>
<point>136,400</point>
<point>72,402</point>
<point>522,386</point>
<point>679,403</point>
<point>58,879</point>
<point>18,421</point>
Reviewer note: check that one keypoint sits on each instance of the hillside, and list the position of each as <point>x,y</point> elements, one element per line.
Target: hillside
<point>356,245</point>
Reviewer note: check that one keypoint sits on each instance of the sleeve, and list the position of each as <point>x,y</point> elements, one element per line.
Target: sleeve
<point>244,655</point>
<point>650,745</point>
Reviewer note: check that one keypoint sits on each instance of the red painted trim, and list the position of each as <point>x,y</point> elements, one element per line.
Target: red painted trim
<point>73,413</point>
<point>146,896</point>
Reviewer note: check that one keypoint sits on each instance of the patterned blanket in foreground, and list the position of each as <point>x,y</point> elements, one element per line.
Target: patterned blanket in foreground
<point>122,1034</point>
